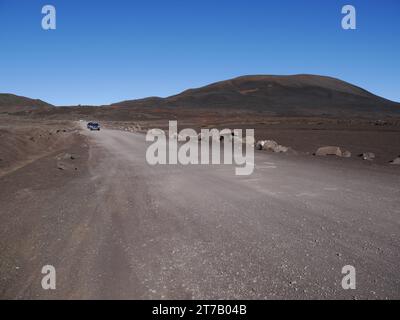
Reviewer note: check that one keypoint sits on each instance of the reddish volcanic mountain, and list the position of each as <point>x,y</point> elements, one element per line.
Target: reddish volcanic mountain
<point>264,95</point>
<point>303,95</point>
<point>10,103</point>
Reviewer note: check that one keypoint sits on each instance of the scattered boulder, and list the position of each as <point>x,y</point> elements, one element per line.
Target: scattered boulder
<point>381,123</point>
<point>329,151</point>
<point>396,161</point>
<point>333,151</point>
<point>259,145</point>
<point>65,166</point>
<point>368,156</point>
<point>65,156</point>
<point>65,161</point>
<point>346,154</point>
<point>271,145</point>
<point>281,149</point>
<point>68,156</point>
<point>61,166</point>
<point>135,128</point>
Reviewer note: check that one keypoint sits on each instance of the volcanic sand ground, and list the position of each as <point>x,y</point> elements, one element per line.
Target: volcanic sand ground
<point>114,227</point>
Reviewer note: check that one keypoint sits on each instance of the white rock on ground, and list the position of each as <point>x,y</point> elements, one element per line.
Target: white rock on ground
<point>329,151</point>
<point>259,145</point>
<point>272,146</point>
<point>369,156</point>
<point>281,149</point>
<point>346,154</point>
<point>396,161</point>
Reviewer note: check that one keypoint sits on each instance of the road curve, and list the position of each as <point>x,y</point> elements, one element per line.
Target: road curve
<point>125,229</point>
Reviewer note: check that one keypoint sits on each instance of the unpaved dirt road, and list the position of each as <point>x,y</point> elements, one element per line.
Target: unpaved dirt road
<point>119,228</point>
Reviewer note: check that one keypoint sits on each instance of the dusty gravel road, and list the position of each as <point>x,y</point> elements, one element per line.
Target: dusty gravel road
<point>123,229</point>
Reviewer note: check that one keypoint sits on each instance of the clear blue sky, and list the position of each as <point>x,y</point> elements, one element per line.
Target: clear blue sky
<point>107,51</point>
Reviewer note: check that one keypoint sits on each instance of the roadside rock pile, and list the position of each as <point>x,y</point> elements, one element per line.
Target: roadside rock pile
<point>135,128</point>
<point>127,127</point>
<point>381,123</point>
<point>271,145</point>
